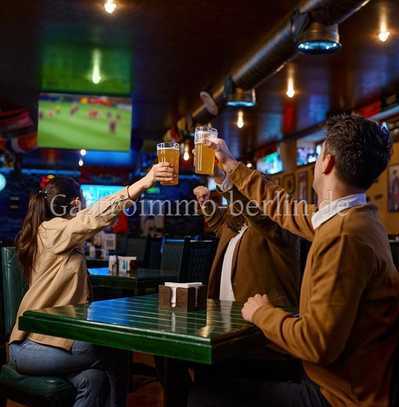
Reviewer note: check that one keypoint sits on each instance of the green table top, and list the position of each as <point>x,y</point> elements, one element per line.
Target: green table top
<point>137,324</point>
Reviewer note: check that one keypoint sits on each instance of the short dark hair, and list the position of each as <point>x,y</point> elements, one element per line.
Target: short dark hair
<point>362,149</point>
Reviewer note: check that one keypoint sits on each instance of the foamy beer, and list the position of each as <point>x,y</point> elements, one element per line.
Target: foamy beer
<point>204,155</point>
<point>170,153</point>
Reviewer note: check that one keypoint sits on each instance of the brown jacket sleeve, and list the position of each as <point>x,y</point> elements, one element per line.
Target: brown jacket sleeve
<point>338,278</point>
<point>215,216</point>
<point>274,201</point>
<point>63,234</point>
<point>255,218</point>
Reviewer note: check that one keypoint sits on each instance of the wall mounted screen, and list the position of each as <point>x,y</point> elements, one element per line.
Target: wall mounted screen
<point>84,122</point>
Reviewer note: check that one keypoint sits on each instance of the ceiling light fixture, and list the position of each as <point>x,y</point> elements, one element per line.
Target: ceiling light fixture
<point>110,6</point>
<point>237,97</point>
<point>81,163</point>
<point>83,152</point>
<point>240,119</point>
<point>318,39</point>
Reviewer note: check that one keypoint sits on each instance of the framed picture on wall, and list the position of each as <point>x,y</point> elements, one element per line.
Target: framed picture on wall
<point>302,185</point>
<point>393,188</point>
<point>289,183</point>
<point>277,180</point>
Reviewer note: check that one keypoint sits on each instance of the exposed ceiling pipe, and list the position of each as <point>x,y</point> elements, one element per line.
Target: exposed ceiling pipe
<point>278,47</point>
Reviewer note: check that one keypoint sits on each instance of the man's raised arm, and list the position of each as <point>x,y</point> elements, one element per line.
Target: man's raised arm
<point>271,199</point>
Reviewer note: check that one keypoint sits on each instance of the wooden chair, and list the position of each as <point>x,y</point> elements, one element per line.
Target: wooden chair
<point>32,391</point>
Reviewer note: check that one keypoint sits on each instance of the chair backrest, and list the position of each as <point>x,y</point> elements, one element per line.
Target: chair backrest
<point>153,253</point>
<point>13,287</point>
<point>137,247</point>
<point>121,245</point>
<point>172,257</point>
<point>197,260</point>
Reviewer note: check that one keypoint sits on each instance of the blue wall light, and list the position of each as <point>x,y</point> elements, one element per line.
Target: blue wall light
<point>3,182</point>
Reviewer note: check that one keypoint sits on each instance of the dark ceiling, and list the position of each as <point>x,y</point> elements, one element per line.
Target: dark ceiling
<point>168,51</point>
<point>175,48</point>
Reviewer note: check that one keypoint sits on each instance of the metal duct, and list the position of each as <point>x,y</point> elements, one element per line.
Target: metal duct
<point>279,47</point>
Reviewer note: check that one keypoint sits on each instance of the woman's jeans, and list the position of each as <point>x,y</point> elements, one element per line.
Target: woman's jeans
<point>100,375</point>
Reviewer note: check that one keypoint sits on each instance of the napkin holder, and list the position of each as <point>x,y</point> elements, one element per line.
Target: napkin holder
<point>187,296</point>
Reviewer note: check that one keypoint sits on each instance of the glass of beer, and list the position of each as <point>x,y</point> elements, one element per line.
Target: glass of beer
<point>170,153</point>
<point>204,156</point>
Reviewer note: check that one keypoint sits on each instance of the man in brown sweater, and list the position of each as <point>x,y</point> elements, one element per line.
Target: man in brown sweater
<point>347,331</point>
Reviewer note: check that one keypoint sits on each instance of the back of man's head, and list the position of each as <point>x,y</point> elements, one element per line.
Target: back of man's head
<point>362,149</point>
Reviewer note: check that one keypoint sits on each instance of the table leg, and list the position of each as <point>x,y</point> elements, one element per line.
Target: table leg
<point>175,381</point>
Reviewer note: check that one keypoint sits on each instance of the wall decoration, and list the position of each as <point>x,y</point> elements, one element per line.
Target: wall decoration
<point>289,183</point>
<point>393,188</point>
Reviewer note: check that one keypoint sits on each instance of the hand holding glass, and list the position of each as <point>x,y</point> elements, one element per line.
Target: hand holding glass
<point>204,155</point>
<point>170,153</point>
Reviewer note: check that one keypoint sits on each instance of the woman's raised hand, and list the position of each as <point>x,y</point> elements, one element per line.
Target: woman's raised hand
<point>163,172</point>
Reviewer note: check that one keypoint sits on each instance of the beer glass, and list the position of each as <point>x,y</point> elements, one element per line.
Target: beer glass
<point>170,153</point>
<point>204,156</point>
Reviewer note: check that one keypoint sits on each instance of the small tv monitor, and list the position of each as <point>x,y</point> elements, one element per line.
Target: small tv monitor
<point>84,122</point>
<point>270,164</point>
<point>93,193</point>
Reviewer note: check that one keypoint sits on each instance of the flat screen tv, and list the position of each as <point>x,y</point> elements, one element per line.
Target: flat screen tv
<point>84,122</point>
<point>270,164</point>
<point>93,193</point>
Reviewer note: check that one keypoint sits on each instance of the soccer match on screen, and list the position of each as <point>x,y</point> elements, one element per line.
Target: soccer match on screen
<point>90,122</point>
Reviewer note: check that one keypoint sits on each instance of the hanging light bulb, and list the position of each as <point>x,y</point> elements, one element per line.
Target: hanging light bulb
<point>110,6</point>
<point>290,87</point>
<point>249,165</point>
<point>240,119</point>
<point>384,33</point>
<point>290,82</point>
<point>383,36</point>
<point>83,152</point>
<point>81,163</point>
<point>186,155</point>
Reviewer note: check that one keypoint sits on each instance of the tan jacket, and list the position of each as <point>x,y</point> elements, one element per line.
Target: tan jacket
<point>59,274</point>
<point>347,330</point>
<point>265,261</point>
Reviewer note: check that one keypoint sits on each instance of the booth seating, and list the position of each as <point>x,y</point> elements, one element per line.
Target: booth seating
<point>190,260</point>
<point>147,251</point>
<point>197,260</point>
<point>32,391</point>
